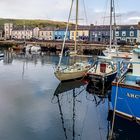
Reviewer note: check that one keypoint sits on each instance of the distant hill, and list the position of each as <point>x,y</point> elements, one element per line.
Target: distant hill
<point>33,23</point>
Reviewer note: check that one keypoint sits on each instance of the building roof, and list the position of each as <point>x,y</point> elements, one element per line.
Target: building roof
<point>19,28</point>
<point>47,29</point>
<point>125,27</point>
<point>107,27</point>
<point>80,27</point>
<point>99,27</point>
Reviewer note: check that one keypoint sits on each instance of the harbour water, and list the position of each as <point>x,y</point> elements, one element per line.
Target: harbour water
<point>35,106</point>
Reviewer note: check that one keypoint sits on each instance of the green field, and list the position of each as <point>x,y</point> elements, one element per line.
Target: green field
<point>33,23</point>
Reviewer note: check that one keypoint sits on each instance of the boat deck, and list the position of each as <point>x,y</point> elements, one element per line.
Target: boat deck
<point>132,80</point>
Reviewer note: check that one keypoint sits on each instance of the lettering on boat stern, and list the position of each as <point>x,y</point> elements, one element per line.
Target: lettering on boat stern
<point>131,95</point>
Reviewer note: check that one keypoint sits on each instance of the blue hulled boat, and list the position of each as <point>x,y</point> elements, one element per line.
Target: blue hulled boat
<point>125,97</point>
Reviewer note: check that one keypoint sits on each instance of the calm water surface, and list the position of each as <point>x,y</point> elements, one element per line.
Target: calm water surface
<point>35,106</point>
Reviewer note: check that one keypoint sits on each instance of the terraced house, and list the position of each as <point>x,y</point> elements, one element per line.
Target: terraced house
<point>99,34</point>
<point>46,33</point>
<point>59,34</point>
<point>128,33</point>
<point>82,33</point>
<point>20,32</point>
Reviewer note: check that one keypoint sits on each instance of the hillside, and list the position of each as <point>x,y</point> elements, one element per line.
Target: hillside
<point>33,23</point>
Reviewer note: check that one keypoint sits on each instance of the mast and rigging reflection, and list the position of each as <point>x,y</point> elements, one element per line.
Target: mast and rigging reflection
<point>59,93</point>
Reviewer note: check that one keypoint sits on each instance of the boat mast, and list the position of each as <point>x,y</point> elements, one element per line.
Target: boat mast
<point>76,24</point>
<point>24,34</point>
<point>115,41</point>
<point>65,35</point>
<point>111,10</point>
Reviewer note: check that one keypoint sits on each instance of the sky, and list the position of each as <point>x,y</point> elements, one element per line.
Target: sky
<point>90,11</point>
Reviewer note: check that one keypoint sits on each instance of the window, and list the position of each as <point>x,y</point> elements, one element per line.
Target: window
<point>59,33</point>
<point>131,33</point>
<point>117,33</point>
<point>123,33</point>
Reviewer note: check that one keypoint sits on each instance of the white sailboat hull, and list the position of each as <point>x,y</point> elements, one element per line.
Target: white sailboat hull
<point>65,76</point>
<point>117,54</point>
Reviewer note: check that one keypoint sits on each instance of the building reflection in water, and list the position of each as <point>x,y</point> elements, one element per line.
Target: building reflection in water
<point>41,57</point>
<point>8,57</point>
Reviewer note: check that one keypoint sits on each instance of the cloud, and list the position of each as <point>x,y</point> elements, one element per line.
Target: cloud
<point>42,9</point>
<point>132,17</point>
<point>59,10</point>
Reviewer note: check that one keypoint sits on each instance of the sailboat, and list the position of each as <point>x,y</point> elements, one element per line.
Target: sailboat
<point>78,69</point>
<point>112,50</point>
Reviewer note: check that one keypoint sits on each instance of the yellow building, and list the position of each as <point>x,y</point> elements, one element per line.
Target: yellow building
<point>82,33</point>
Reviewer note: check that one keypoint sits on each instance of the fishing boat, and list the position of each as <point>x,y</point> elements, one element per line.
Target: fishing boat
<point>125,97</point>
<point>103,70</point>
<point>76,70</point>
<point>113,50</point>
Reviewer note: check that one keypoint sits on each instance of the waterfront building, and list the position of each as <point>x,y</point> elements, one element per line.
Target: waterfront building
<point>20,32</point>
<point>36,33</point>
<point>1,33</point>
<point>46,33</point>
<point>82,33</point>
<point>99,34</point>
<point>127,33</point>
<point>8,27</point>
<point>59,34</point>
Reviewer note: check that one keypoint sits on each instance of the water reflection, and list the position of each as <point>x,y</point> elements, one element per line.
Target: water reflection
<point>42,57</point>
<point>63,88</point>
<point>98,91</point>
<point>34,105</point>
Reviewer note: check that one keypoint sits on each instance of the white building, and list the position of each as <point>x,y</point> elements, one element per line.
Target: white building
<point>36,33</point>
<point>8,27</point>
<point>21,33</point>
<point>1,35</point>
<point>46,33</point>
